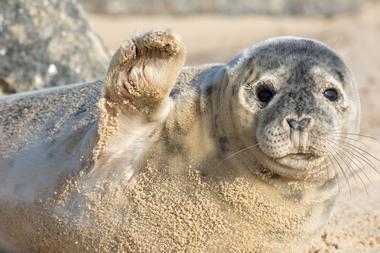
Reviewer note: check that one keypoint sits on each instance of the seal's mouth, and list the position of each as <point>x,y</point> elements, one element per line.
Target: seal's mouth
<point>301,156</point>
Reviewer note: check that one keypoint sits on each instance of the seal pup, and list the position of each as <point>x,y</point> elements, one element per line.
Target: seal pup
<point>235,157</point>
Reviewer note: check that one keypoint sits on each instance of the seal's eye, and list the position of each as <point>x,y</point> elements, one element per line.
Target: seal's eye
<point>265,93</point>
<point>331,94</point>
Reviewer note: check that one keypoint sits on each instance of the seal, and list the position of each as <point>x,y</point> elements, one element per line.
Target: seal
<point>235,157</point>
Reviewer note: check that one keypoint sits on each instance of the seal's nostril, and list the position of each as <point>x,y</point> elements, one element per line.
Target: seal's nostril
<point>292,123</point>
<point>304,123</point>
<point>299,125</point>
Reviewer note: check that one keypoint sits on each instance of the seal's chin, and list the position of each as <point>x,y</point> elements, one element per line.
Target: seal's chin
<point>299,161</point>
<point>291,165</point>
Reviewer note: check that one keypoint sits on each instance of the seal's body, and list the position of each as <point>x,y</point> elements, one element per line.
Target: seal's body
<point>233,157</point>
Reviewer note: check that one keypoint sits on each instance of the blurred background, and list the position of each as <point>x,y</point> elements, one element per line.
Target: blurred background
<point>215,30</point>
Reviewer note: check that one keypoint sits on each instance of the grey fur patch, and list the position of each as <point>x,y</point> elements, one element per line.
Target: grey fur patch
<point>209,90</point>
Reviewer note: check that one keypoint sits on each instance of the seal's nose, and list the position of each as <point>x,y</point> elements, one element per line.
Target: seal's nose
<point>300,124</point>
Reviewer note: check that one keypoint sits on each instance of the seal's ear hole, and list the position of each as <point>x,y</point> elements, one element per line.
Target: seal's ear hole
<point>265,92</point>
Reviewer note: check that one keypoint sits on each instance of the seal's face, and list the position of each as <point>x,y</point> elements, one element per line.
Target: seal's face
<point>297,98</point>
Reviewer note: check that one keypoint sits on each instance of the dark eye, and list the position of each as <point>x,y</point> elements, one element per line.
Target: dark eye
<point>331,94</point>
<point>265,93</point>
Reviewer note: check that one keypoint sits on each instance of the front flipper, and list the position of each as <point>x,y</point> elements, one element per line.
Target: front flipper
<point>143,72</point>
<point>136,96</point>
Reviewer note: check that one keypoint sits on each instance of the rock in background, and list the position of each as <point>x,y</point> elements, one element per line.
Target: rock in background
<point>47,43</point>
<point>275,7</point>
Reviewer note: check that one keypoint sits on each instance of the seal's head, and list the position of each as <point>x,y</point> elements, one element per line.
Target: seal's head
<point>293,98</point>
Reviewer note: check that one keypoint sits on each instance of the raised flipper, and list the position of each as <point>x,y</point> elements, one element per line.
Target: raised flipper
<point>143,72</point>
<point>136,99</point>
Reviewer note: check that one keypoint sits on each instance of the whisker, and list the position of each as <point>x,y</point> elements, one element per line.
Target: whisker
<point>337,174</point>
<point>354,161</point>
<point>330,163</point>
<point>234,154</point>
<point>348,138</point>
<point>350,171</point>
<point>342,170</point>
<point>332,167</point>
<point>352,145</point>
<point>358,155</point>
<point>354,134</point>
<point>355,174</point>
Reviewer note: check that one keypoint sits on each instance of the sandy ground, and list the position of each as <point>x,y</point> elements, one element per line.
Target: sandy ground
<point>355,225</point>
